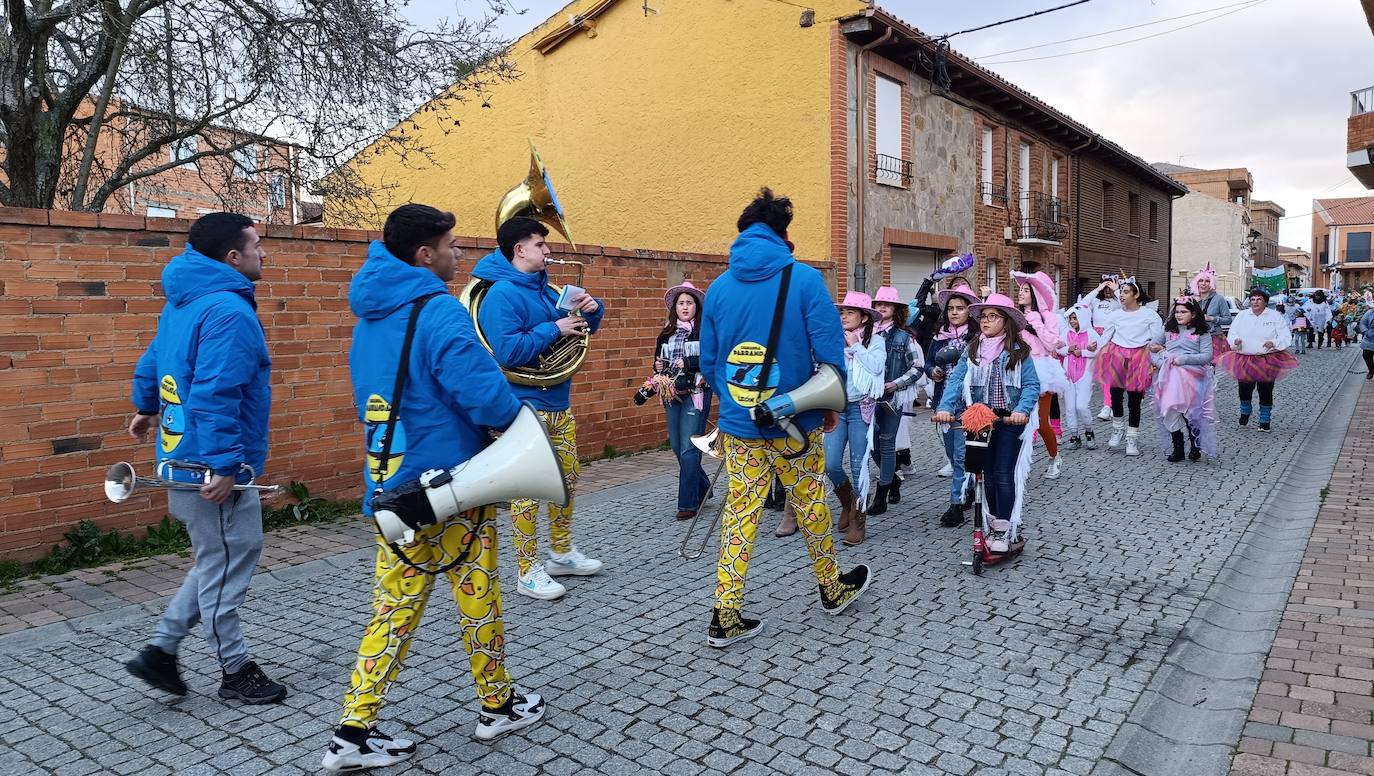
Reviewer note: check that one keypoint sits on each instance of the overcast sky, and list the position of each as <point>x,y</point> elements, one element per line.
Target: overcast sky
<point>1263,84</point>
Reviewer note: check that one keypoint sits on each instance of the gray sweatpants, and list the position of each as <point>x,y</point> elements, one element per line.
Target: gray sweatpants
<point>227,540</point>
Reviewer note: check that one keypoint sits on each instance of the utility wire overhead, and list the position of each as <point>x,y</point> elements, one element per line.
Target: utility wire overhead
<point>1118,29</point>
<point>1132,40</point>
<point>1016,19</point>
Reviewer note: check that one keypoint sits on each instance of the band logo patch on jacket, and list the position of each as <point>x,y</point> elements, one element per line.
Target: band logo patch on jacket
<point>173,415</point>
<point>743,367</point>
<point>375,425</point>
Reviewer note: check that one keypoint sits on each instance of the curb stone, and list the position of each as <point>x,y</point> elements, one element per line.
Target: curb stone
<point>1225,643</point>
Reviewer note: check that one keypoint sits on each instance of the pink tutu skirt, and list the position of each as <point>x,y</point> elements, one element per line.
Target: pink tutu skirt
<point>1220,347</point>
<point>1259,368</point>
<point>1125,368</point>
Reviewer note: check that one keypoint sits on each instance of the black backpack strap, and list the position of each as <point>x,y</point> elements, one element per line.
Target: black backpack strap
<point>401,369</point>
<point>770,352</point>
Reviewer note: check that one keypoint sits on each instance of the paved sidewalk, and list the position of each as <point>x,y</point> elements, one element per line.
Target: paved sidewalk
<point>59,598</point>
<point>1039,667</point>
<point>1312,715</point>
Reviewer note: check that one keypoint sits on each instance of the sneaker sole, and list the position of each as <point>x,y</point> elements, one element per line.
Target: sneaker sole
<point>712,641</point>
<point>553,571</point>
<point>234,695</point>
<point>480,735</point>
<point>381,762</point>
<point>537,596</point>
<point>854,597</point>
<point>153,680</point>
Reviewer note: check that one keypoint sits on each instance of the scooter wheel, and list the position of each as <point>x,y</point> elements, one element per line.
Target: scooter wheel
<point>978,564</point>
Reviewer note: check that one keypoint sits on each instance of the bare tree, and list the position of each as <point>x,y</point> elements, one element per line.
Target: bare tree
<point>93,93</point>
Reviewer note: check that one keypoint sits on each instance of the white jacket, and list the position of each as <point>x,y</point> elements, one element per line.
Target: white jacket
<point>1249,332</point>
<point>865,366</point>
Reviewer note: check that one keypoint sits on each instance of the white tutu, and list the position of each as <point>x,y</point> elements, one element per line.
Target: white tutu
<point>1051,374</point>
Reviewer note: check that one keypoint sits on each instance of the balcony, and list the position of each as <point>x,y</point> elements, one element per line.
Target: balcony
<point>1359,137</point>
<point>1044,220</point>
<point>892,170</point>
<point>989,194</point>
<point>1357,256</point>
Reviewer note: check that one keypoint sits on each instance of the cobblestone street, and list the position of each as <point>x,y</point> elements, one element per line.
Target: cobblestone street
<point>1067,661</point>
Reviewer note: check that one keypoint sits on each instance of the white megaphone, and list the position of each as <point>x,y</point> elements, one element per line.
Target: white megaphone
<point>824,391</point>
<point>520,464</point>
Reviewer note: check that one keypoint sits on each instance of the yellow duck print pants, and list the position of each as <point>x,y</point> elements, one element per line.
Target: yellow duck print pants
<point>750,465</point>
<point>523,512</point>
<point>399,596</point>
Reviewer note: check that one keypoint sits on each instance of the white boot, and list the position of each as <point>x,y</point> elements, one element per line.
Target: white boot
<point>1131,448</point>
<point>1106,413</point>
<point>1052,473</point>
<point>1118,431</point>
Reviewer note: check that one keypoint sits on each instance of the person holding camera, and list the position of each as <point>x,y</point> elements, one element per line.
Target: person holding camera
<point>521,319</point>
<point>453,398</point>
<point>685,395</point>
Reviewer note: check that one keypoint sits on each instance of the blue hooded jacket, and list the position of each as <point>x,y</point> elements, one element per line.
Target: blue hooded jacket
<point>734,331</point>
<point>207,371</point>
<point>454,391</point>
<point>518,317</point>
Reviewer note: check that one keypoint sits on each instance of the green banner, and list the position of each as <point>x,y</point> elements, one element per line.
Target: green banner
<point>1273,280</point>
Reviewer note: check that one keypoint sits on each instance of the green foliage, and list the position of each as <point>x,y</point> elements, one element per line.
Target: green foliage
<point>87,546</point>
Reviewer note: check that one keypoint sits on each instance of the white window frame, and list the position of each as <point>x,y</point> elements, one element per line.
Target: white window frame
<point>986,174</point>
<point>1024,172</point>
<point>162,211</point>
<point>887,124</point>
<point>992,274</point>
<point>1054,187</point>
<point>184,148</point>
<point>242,171</point>
<point>277,191</point>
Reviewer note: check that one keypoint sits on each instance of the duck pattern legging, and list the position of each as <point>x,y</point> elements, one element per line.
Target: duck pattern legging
<point>751,465</point>
<point>523,512</point>
<point>399,595</point>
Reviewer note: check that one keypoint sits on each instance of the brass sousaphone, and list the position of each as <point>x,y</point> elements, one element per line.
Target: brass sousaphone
<point>534,198</point>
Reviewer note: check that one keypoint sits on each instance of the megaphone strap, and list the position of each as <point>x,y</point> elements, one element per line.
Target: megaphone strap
<point>463,555</point>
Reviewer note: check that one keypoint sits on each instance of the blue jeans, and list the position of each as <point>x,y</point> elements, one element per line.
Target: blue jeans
<point>954,449</point>
<point>999,479</point>
<point>887,421</point>
<point>684,422</point>
<point>852,431</point>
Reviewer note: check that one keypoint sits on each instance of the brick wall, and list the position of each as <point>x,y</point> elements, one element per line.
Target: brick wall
<point>1359,132</point>
<point>79,305</point>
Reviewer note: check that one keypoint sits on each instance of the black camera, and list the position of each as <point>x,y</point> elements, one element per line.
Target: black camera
<point>643,394</point>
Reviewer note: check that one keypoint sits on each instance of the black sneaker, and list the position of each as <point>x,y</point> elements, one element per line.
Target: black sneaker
<point>517,712</point>
<point>843,591</point>
<point>158,669</point>
<point>953,517</point>
<point>1075,443</point>
<point>727,627</point>
<point>1264,426</point>
<point>251,685</point>
<point>894,492</point>
<point>1245,420</point>
<point>357,749</point>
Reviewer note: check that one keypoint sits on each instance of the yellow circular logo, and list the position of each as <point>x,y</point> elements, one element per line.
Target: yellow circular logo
<point>743,366</point>
<point>173,415</point>
<point>375,414</point>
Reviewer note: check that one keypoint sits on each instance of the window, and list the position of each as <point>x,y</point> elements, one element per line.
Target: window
<point>245,162</point>
<point>279,191</point>
<point>1054,190</point>
<point>986,174</point>
<point>1024,187</point>
<point>1357,246</point>
<point>1154,220</point>
<point>1150,289</point>
<point>888,123</point>
<point>159,211</point>
<point>992,275</point>
<point>1133,213</point>
<point>1108,205</point>
<point>184,148</point>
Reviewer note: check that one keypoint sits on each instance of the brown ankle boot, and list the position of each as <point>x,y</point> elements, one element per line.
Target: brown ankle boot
<point>788,525</point>
<point>855,535</point>
<point>845,493</point>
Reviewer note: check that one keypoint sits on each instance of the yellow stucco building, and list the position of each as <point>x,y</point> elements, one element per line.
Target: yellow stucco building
<point>657,127</point>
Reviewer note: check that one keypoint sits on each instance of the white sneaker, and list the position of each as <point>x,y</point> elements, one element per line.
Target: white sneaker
<point>946,471</point>
<point>520,711</point>
<point>1118,432</point>
<point>1106,413</point>
<point>377,751</point>
<point>907,471</point>
<point>572,563</point>
<point>1052,473</point>
<point>1131,447</point>
<point>538,584</point>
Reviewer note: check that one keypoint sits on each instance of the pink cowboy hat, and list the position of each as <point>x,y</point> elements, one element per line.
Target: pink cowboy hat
<point>943,296</point>
<point>1002,304</point>
<point>857,300</point>
<point>1046,300</point>
<point>670,298</point>
<point>888,294</point>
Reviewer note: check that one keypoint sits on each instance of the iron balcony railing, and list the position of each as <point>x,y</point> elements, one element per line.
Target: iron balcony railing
<point>1357,256</point>
<point>1043,217</point>
<point>1362,102</point>
<point>890,169</point>
<point>990,194</point>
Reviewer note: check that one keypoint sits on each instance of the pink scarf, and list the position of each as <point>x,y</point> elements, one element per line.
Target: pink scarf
<point>1076,366</point>
<point>882,326</point>
<point>684,325</point>
<point>953,332</point>
<point>990,347</point>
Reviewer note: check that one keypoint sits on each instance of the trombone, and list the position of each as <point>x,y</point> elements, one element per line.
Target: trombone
<point>121,482</point>
<point>706,443</point>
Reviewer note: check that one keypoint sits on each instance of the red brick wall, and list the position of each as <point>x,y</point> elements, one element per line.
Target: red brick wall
<point>79,299</point>
<point>1359,132</point>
